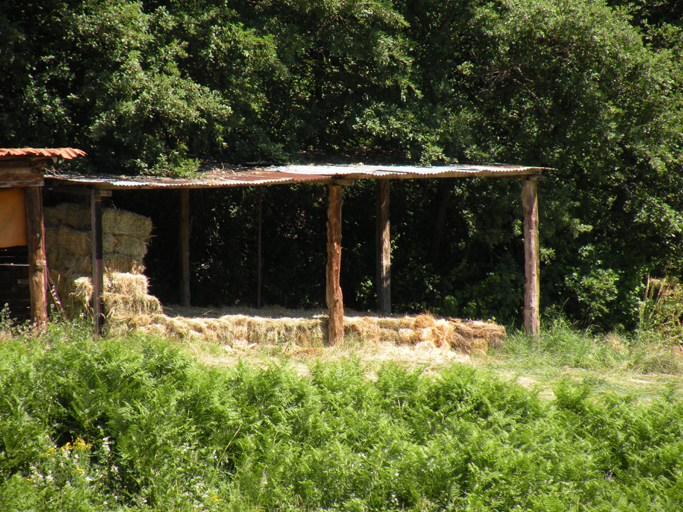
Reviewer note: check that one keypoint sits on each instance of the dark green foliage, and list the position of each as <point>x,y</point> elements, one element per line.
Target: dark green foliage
<point>119,425</point>
<point>592,88</point>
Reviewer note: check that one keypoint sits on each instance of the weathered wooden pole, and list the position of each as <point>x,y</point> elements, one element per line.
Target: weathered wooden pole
<point>37,260</point>
<point>259,258</point>
<point>532,287</point>
<point>97,264</point>
<point>383,248</point>
<point>335,300</point>
<point>185,247</point>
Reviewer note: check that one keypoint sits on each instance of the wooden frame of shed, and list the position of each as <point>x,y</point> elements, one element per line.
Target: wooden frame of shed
<point>22,224</point>
<point>335,177</point>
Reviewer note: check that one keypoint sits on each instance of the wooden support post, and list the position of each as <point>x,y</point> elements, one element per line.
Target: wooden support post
<point>532,322</point>
<point>383,247</point>
<point>185,247</point>
<point>97,265</point>
<point>37,260</point>
<point>335,300</point>
<point>259,258</point>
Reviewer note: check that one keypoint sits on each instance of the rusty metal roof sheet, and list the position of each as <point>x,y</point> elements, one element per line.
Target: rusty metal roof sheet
<point>67,153</point>
<point>412,172</point>
<point>290,174</point>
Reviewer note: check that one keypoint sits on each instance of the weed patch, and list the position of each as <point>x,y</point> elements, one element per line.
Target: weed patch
<point>138,424</point>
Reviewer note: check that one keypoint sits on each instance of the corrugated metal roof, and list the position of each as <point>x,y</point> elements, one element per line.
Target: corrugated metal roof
<point>289,174</point>
<point>412,172</point>
<point>67,153</point>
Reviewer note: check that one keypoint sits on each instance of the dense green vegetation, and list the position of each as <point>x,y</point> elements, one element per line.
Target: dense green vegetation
<point>139,424</point>
<point>592,88</point>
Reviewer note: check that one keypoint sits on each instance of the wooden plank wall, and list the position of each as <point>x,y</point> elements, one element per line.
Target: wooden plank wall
<point>14,282</point>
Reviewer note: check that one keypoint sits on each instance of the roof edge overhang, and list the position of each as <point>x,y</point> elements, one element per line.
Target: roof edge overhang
<point>22,167</point>
<point>293,174</point>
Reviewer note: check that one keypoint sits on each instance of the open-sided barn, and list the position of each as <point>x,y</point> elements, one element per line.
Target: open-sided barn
<point>334,177</point>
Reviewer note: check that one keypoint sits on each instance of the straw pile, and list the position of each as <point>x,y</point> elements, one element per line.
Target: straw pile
<point>69,254</point>
<point>241,330</point>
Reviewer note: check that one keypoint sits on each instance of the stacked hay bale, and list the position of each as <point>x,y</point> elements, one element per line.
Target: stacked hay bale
<point>236,331</point>
<point>69,254</point>
<point>129,306</point>
<point>239,330</point>
<point>467,336</point>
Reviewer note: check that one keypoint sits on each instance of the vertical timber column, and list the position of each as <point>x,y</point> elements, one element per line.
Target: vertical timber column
<point>335,300</point>
<point>37,261</point>
<point>532,287</point>
<point>259,259</point>
<point>97,265</point>
<point>185,247</point>
<point>383,246</point>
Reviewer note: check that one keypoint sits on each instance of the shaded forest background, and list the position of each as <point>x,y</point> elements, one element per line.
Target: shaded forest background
<point>592,88</point>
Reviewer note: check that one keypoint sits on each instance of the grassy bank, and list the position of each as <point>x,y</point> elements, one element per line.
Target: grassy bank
<point>140,423</point>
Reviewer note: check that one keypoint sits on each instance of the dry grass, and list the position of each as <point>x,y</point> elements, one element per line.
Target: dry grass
<point>372,354</point>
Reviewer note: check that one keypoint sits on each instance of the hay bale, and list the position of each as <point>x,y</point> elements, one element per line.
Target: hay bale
<point>218,331</point>
<point>115,262</point>
<point>51,238</point>
<point>364,328</point>
<point>81,265</point>
<point>407,336</point>
<point>78,242</point>
<point>69,255</point>
<point>177,327</point>
<point>64,260</point>
<point>121,222</point>
<point>124,295</point>
<point>125,235</point>
<point>492,333</point>
<point>131,246</point>
<point>108,243</point>
<point>126,283</point>
<point>240,330</point>
<point>123,306</point>
<point>70,214</point>
<point>233,330</point>
<point>239,327</point>
<point>424,321</point>
<point>65,286</point>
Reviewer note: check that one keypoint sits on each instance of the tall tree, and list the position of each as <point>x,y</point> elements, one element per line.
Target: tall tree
<point>592,88</point>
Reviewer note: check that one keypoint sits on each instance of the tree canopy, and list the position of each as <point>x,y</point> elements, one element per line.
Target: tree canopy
<point>592,88</point>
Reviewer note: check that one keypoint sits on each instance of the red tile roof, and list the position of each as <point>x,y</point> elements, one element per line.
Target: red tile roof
<point>67,153</point>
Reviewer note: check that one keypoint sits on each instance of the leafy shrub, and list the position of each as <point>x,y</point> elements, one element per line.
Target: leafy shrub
<point>661,310</point>
<point>137,424</point>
